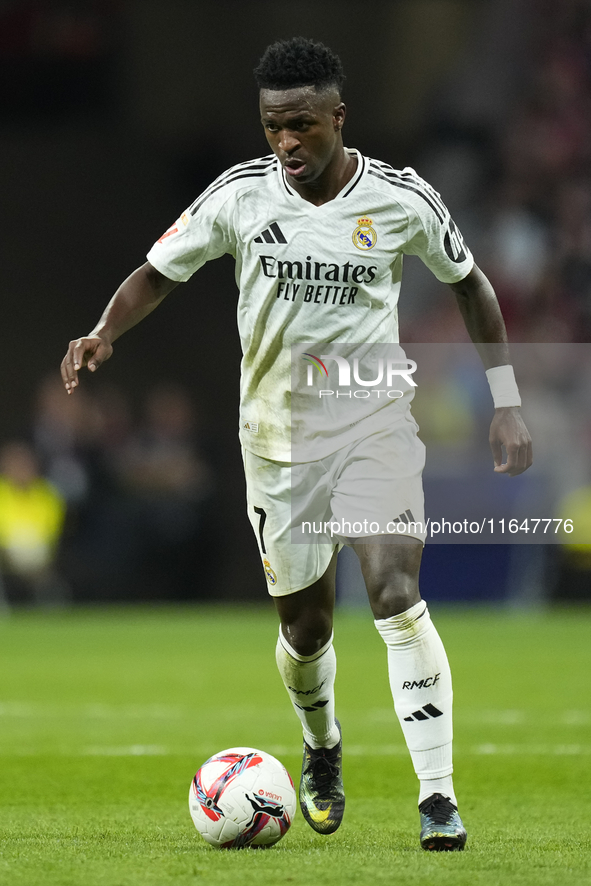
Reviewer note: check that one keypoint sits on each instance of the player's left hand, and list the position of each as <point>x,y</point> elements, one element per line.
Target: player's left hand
<point>508,429</point>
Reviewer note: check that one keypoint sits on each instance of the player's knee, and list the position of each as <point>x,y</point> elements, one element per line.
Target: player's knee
<point>392,599</point>
<point>307,635</point>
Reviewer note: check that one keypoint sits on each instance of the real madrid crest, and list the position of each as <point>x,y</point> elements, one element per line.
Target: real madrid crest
<point>271,576</point>
<point>364,236</point>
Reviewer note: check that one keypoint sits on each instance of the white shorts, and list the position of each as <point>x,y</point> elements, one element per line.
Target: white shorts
<point>301,513</point>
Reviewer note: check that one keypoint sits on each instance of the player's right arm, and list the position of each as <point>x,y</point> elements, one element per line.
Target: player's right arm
<point>135,299</point>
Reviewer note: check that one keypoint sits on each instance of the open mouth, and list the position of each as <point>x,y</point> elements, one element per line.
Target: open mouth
<point>294,167</point>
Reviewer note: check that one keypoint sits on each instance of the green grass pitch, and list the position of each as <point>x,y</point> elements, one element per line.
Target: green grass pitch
<point>105,716</point>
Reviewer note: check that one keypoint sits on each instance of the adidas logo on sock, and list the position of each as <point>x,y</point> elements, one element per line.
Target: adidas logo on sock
<point>272,234</point>
<point>429,710</point>
<point>315,707</point>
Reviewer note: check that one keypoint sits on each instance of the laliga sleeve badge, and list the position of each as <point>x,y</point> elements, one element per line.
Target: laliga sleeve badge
<point>172,230</point>
<point>364,236</point>
<point>271,576</point>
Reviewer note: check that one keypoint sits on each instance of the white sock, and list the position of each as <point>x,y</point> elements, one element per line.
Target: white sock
<point>309,680</point>
<point>420,680</point>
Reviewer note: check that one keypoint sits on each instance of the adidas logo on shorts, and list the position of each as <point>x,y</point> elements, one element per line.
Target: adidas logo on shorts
<point>407,517</point>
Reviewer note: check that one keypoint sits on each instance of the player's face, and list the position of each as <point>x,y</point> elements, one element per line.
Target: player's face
<point>303,128</point>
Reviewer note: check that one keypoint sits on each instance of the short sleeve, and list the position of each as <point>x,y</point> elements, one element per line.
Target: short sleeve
<point>203,232</point>
<point>432,233</point>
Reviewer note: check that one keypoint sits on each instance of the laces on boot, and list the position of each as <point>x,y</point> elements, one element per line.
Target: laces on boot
<point>438,808</point>
<point>323,774</point>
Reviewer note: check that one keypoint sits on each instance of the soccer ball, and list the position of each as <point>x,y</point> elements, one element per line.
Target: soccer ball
<point>242,797</point>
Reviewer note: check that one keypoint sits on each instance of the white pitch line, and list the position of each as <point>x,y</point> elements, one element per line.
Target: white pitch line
<point>95,711</point>
<point>387,750</point>
<point>154,711</point>
<point>534,750</point>
<point>202,753</point>
<point>134,750</point>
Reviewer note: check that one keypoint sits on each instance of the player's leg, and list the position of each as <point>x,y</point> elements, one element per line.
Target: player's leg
<point>301,580</point>
<point>306,616</point>
<point>420,677</point>
<point>420,680</point>
<point>306,658</point>
<point>307,664</point>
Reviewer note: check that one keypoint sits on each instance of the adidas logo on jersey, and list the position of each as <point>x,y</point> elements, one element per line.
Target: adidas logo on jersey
<point>272,234</point>
<point>428,710</point>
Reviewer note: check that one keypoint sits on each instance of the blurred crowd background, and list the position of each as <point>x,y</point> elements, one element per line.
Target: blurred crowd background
<point>114,115</point>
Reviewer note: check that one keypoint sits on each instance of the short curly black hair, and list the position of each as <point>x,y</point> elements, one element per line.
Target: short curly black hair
<point>288,64</point>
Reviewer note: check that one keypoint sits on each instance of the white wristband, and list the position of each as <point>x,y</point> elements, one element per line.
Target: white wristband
<point>503,386</point>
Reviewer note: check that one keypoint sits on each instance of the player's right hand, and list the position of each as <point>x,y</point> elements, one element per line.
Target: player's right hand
<point>91,351</point>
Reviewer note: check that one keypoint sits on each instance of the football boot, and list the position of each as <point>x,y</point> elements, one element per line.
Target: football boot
<point>441,826</point>
<point>322,797</point>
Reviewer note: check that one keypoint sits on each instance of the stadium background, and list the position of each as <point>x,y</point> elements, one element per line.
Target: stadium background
<point>115,115</point>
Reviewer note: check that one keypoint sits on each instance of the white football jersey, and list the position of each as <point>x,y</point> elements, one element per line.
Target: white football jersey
<point>308,273</point>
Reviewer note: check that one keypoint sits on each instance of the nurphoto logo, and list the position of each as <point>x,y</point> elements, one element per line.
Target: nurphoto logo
<point>385,372</point>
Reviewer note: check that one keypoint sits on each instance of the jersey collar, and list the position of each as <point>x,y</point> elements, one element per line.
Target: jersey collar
<point>344,192</point>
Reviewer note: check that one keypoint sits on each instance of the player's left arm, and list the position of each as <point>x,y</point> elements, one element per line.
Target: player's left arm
<point>483,319</point>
